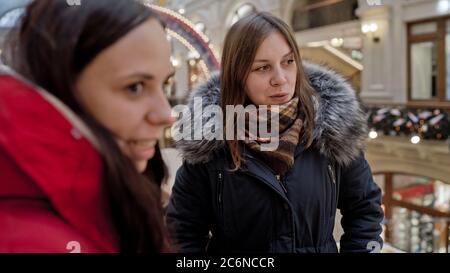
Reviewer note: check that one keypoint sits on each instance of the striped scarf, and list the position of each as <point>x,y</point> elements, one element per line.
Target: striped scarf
<point>290,125</point>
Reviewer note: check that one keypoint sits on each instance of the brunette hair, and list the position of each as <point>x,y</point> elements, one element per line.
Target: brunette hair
<point>53,43</point>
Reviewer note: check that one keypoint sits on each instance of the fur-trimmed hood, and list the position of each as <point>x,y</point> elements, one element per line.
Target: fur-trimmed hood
<point>340,124</point>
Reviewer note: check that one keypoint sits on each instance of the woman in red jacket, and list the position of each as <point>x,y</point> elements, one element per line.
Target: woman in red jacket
<point>81,110</point>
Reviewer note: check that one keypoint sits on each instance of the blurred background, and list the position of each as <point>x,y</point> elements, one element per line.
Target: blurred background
<point>395,54</point>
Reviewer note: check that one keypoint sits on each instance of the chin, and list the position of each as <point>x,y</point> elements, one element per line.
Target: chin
<point>141,165</point>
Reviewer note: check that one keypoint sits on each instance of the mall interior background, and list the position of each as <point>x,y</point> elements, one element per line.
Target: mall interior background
<point>396,55</point>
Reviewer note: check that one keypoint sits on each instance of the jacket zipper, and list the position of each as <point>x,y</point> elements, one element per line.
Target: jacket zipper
<point>280,180</point>
<point>333,191</point>
<point>332,174</point>
<point>281,183</point>
<point>292,215</point>
<point>278,177</point>
<point>219,191</point>
<point>285,191</point>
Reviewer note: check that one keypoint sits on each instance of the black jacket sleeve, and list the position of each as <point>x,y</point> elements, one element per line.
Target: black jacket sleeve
<point>189,210</point>
<point>360,205</point>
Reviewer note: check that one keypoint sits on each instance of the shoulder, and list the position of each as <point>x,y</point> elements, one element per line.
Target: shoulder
<point>340,123</point>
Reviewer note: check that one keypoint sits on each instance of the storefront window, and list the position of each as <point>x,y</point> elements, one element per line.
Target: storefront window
<point>429,61</point>
<point>423,71</point>
<point>317,13</point>
<point>424,28</point>
<point>447,60</point>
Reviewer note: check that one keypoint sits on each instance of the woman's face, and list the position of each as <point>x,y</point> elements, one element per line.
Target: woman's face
<point>273,74</point>
<point>122,88</point>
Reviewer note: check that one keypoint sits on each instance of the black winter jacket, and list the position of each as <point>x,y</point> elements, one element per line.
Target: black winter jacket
<point>215,209</point>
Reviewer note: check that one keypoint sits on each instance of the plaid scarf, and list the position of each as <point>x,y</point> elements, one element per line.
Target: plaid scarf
<point>290,125</point>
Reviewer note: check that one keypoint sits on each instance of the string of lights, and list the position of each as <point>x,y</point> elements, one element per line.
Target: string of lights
<point>431,124</point>
<point>184,31</point>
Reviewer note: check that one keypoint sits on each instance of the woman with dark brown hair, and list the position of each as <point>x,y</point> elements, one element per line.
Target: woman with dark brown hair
<point>81,110</point>
<point>232,195</point>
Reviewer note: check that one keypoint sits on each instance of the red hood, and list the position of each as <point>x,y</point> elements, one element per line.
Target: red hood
<point>44,157</point>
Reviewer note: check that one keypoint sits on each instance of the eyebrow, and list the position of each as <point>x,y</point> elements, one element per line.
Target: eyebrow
<point>265,61</point>
<point>147,76</point>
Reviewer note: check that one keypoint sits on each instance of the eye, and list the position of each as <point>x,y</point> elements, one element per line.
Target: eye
<point>136,88</point>
<point>290,61</point>
<point>263,68</point>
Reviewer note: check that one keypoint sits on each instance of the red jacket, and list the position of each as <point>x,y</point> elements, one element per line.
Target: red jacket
<point>51,199</point>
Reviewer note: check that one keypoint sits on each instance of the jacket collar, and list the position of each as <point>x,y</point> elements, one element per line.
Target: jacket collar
<point>52,162</point>
<point>340,123</point>
<point>63,109</point>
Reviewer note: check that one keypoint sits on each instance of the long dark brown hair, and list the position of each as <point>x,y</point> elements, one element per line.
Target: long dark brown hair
<point>239,50</point>
<point>53,43</point>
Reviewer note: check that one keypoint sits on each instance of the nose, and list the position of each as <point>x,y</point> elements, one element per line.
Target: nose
<point>161,112</point>
<point>278,78</point>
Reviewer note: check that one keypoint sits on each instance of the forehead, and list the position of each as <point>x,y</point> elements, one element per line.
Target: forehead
<point>143,49</point>
<point>274,45</point>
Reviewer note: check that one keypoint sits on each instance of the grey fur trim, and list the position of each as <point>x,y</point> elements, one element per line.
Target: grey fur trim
<point>341,125</point>
<point>340,128</point>
<point>201,151</point>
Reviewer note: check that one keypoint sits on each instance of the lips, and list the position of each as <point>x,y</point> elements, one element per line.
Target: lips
<point>280,98</point>
<point>142,149</point>
<point>143,143</point>
<point>279,95</point>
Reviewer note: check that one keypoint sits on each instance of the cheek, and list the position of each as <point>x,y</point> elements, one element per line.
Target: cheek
<point>108,104</point>
<point>114,112</point>
<point>123,118</point>
<point>256,87</point>
<point>293,76</point>
<point>292,81</point>
<point>119,121</point>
